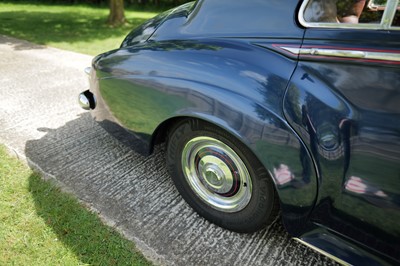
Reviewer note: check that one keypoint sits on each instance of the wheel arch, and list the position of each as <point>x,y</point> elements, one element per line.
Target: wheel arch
<point>294,179</point>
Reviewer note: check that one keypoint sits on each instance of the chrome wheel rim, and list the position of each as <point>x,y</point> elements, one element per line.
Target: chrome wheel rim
<point>216,174</point>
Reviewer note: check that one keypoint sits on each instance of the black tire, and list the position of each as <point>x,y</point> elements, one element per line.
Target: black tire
<point>215,162</point>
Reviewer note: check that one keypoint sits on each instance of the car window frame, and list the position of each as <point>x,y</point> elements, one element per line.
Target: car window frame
<point>385,24</point>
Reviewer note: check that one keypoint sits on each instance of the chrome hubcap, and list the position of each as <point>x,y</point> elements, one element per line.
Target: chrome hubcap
<point>216,174</point>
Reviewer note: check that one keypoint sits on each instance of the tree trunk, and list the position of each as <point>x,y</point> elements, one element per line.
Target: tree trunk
<point>116,16</point>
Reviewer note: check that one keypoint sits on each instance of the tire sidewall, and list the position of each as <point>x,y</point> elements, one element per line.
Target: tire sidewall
<point>261,208</point>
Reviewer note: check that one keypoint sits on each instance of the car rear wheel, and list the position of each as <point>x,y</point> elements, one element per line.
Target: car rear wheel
<point>220,178</point>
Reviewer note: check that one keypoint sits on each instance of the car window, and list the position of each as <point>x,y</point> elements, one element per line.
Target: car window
<point>396,20</point>
<point>373,11</point>
<point>348,13</point>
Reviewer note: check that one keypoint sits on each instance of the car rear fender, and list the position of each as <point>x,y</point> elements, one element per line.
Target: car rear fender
<point>272,141</point>
<point>228,83</point>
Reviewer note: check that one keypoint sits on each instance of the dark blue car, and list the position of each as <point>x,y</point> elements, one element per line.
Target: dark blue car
<point>270,107</point>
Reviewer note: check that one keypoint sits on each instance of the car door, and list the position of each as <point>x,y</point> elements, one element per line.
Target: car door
<point>344,102</point>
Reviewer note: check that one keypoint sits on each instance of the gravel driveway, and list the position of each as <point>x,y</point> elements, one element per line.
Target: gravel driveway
<point>40,120</point>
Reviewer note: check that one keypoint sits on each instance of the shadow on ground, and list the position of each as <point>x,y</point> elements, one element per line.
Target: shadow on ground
<point>21,44</point>
<point>135,194</point>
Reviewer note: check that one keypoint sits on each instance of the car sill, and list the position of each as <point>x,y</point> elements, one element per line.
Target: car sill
<point>342,262</point>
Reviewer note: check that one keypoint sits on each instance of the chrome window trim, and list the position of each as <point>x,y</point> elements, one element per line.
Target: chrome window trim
<point>389,13</point>
<point>386,22</point>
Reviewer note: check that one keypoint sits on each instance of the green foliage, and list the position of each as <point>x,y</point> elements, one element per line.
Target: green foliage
<point>128,3</point>
<point>39,225</point>
<point>78,28</point>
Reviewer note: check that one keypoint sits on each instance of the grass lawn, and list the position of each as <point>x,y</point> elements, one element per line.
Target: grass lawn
<point>39,225</point>
<point>76,28</point>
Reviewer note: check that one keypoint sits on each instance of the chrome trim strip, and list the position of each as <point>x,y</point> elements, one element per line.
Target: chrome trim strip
<point>382,26</point>
<point>382,56</point>
<point>340,261</point>
<point>292,50</point>
<point>356,54</point>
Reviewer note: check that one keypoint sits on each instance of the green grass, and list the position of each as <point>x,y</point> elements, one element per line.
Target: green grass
<point>39,225</point>
<point>76,28</point>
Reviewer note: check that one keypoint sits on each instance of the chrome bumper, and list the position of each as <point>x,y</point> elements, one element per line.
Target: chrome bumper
<point>86,99</point>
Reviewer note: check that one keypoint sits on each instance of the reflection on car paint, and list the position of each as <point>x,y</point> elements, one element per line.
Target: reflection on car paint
<point>317,105</point>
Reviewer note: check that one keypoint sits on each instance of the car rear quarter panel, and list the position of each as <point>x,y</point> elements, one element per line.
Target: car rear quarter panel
<point>232,84</point>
